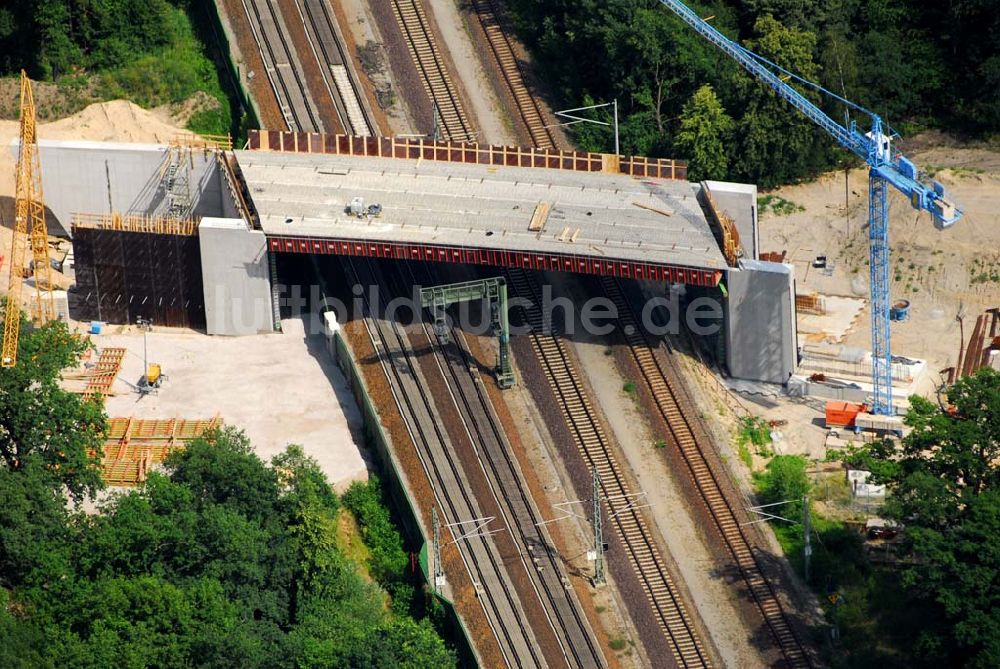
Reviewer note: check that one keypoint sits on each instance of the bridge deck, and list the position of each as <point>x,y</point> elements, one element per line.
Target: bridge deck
<point>599,217</point>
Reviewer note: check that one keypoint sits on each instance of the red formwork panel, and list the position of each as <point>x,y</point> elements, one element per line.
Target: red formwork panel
<point>580,264</point>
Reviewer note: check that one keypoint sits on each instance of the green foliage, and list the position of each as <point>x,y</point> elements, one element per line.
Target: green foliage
<point>918,64</point>
<point>381,536</point>
<point>42,426</point>
<point>145,51</point>
<point>777,205</point>
<point>945,483</point>
<point>744,452</point>
<point>704,129</point>
<point>754,430</point>
<point>784,480</point>
<point>389,563</point>
<point>224,562</point>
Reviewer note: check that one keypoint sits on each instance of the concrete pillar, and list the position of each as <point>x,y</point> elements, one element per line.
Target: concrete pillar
<point>235,274</point>
<point>761,337</point>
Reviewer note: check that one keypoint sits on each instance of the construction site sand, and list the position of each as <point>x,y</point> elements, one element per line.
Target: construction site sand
<point>281,389</point>
<point>937,263</point>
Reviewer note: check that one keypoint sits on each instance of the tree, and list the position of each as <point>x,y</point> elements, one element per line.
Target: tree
<point>705,129</point>
<point>35,539</point>
<point>220,468</point>
<point>43,425</point>
<point>784,480</point>
<point>221,562</point>
<point>778,143</point>
<point>945,482</point>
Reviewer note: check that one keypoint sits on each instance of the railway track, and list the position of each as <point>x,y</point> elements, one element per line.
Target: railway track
<point>491,18</point>
<point>685,644</point>
<point>284,70</point>
<point>451,122</point>
<point>675,408</point>
<point>328,48</point>
<point>539,557</point>
<point>451,488</point>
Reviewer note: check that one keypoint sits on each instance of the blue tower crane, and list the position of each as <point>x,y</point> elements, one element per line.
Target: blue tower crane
<point>886,167</point>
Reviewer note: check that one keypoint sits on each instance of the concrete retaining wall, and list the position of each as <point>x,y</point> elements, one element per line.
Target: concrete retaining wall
<point>235,276</point>
<point>105,177</point>
<point>761,340</point>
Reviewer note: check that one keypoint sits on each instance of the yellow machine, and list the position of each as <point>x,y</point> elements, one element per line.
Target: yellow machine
<point>29,207</point>
<point>153,375</point>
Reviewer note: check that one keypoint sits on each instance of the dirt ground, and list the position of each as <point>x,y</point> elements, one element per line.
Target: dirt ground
<point>281,389</point>
<point>931,268</point>
<point>942,273</point>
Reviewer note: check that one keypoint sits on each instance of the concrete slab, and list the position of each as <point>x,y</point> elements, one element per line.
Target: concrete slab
<point>840,318</point>
<point>280,388</point>
<point>603,215</point>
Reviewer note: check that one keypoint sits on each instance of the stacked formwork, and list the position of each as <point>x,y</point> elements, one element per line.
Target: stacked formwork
<point>134,446</point>
<point>137,267</point>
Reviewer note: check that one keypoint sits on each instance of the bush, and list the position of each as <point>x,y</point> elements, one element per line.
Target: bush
<point>389,561</point>
<point>146,51</point>
<point>784,479</point>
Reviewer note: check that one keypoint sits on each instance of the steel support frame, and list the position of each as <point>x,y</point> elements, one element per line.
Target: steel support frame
<point>494,291</point>
<point>878,236</point>
<point>557,262</point>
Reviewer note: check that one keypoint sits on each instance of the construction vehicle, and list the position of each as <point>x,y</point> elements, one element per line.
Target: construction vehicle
<point>29,227</point>
<point>886,167</point>
<point>153,375</point>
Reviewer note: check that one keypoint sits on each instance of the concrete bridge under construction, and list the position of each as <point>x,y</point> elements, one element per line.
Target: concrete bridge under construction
<point>304,193</point>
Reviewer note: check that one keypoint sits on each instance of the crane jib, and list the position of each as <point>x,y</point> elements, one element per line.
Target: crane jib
<point>898,171</point>
<point>886,168</point>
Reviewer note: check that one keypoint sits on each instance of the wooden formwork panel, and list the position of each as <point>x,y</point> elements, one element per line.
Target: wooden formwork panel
<point>413,148</point>
<point>133,446</point>
<point>104,373</point>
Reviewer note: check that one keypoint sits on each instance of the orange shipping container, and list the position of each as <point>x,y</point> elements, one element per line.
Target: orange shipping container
<point>842,414</point>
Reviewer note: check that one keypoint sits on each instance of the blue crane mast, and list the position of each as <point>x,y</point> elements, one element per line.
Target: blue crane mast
<point>886,167</point>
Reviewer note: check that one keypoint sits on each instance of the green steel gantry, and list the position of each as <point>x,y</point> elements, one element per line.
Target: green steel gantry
<point>439,298</point>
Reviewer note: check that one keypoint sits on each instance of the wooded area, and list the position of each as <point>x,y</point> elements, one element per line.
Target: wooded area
<point>936,601</point>
<point>151,52</point>
<point>222,561</point>
<point>921,65</point>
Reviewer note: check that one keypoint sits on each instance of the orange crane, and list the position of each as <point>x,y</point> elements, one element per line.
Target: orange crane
<point>29,206</point>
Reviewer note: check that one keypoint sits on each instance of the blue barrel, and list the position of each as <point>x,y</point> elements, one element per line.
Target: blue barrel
<point>95,327</point>
<point>900,310</point>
